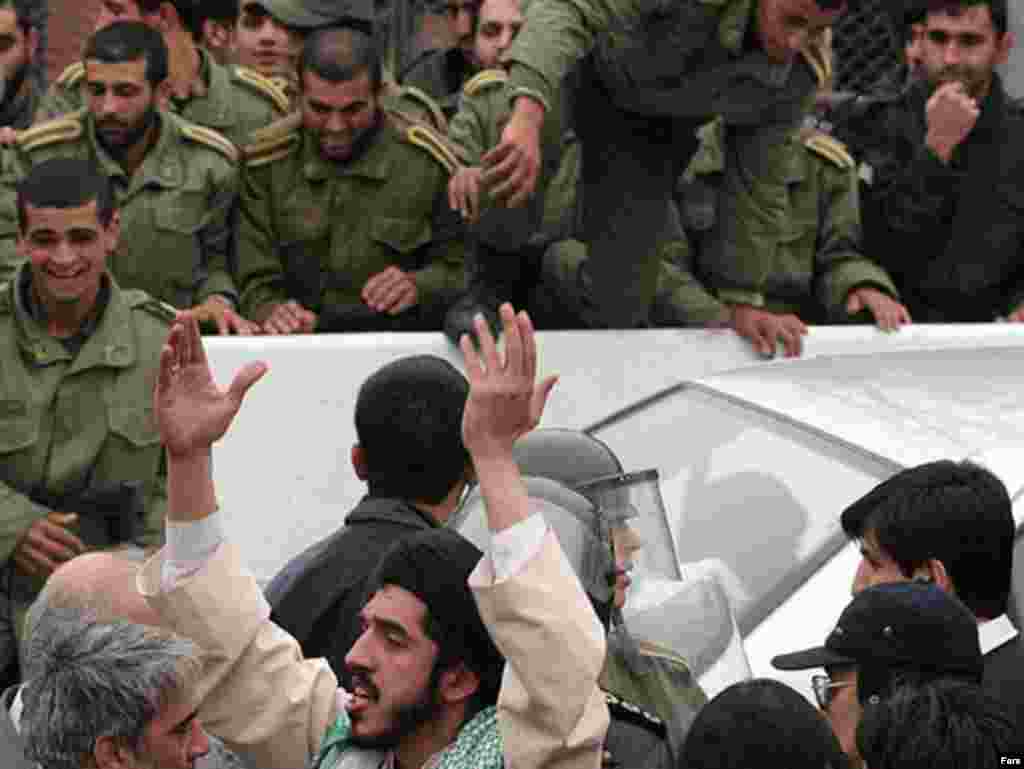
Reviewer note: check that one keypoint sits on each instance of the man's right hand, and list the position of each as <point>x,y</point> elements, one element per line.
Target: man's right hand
<point>951,115</point>
<point>47,544</point>
<point>289,318</point>
<point>464,192</point>
<point>512,168</point>
<point>765,329</point>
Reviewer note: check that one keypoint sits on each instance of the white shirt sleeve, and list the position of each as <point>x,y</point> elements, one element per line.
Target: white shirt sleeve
<point>189,546</point>
<point>513,547</point>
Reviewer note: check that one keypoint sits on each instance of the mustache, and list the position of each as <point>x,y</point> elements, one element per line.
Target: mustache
<point>360,679</point>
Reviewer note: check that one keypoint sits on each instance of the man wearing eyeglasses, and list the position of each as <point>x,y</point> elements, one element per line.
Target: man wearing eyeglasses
<point>441,73</point>
<point>889,634</point>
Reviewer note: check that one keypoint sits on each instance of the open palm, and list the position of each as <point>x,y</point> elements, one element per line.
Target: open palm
<point>191,411</point>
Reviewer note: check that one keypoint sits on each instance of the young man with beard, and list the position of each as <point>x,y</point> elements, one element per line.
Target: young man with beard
<point>19,38</point>
<point>943,173</point>
<point>231,100</point>
<point>175,183</point>
<point>345,223</point>
<point>427,633</point>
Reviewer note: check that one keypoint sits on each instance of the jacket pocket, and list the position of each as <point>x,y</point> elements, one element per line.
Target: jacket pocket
<point>18,429</point>
<point>135,424</point>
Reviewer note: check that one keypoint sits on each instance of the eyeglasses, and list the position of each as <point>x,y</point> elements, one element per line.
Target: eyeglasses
<point>823,686</point>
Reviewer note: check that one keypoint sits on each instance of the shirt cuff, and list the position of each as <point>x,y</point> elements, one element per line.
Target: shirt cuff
<point>511,548</point>
<point>189,546</point>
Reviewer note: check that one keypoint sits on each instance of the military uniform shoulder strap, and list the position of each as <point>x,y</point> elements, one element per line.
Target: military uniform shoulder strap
<point>209,138</point>
<point>624,710</point>
<point>263,85</point>
<point>137,299</point>
<point>273,141</point>
<point>482,80</point>
<point>427,139</point>
<point>422,99</point>
<point>817,52</point>
<point>71,76</point>
<point>829,148</point>
<point>62,129</point>
<point>6,305</point>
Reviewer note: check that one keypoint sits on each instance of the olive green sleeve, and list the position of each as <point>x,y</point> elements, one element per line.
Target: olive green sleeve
<point>444,276</point>
<point>471,129</point>
<point>840,264</point>
<point>17,514</point>
<point>681,299</point>
<point>58,100</point>
<point>260,273</point>
<point>217,240</point>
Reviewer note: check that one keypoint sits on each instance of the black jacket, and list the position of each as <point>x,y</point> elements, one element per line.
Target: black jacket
<point>317,596</point>
<point>1004,677</point>
<point>951,236</point>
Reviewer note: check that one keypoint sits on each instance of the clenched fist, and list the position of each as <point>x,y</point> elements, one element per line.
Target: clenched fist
<point>951,114</point>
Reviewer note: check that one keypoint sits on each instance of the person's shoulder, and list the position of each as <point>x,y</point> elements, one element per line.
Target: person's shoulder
<point>828,149</point>
<point>261,87</point>
<point>273,142</point>
<point>148,312</point>
<point>417,102</point>
<point>426,62</point>
<point>486,81</point>
<point>59,130</point>
<point>71,77</point>
<point>634,735</point>
<point>204,141</point>
<point>426,140</point>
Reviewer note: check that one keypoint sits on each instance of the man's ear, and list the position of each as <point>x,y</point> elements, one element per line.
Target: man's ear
<point>112,232</point>
<point>359,463</point>
<point>1004,47</point>
<point>457,684</point>
<point>217,35</point>
<point>934,571</point>
<point>109,753</point>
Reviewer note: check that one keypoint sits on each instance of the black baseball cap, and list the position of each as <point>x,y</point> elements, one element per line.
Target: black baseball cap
<point>894,628</point>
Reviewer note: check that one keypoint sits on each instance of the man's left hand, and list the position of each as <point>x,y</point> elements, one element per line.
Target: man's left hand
<point>191,411</point>
<point>392,291</point>
<point>889,314</point>
<point>505,402</point>
<point>218,311</point>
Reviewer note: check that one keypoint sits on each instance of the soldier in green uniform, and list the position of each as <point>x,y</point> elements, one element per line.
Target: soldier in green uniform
<point>344,217</point>
<point>645,76</point>
<point>81,465</point>
<point>19,36</point>
<point>234,101</point>
<point>441,73</point>
<point>176,183</point>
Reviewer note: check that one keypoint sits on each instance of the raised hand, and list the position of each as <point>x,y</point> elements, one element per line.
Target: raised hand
<point>191,411</point>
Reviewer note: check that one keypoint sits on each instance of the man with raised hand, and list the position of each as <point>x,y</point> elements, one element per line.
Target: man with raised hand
<point>280,710</point>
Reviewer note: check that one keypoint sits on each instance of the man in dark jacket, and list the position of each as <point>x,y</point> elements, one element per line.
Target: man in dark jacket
<point>410,453</point>
<point>943,173</point>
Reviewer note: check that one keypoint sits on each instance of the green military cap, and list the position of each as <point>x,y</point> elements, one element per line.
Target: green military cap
<point>311,14</point>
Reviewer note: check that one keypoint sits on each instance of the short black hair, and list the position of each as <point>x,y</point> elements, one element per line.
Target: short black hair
<point>941,724</point>
<point>128,41</point>
<point>340,54</point>
<point>760,719</point>
<point>222,11</point>
<point>835,5</point>
<point>64,183</point>
<point>409,424</point>
<point>998,8</point>
<point>956,512</point>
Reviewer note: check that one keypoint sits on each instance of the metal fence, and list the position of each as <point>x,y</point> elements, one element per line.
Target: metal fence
<point>866,48</point>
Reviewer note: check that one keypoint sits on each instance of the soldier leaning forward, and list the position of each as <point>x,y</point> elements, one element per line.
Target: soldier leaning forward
<point>176,208</point>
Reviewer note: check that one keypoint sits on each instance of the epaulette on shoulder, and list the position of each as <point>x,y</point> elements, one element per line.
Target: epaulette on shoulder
<point>624,710</point>
<point>273,141</point>
<point>263,85</point>
<point>829,148</point>
<point>432,108</point>
<point>6,305</point>
<point>140,300</point>
<point>62,129</point>
<point>434,144</point>
<point>71,76</point>
<point>817,52</point>
<point>209,138</point>
<point>486,79</point>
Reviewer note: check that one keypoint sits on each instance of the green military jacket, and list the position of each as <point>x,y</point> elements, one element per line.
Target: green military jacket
<point>789,240</point>
<point>316,231</point>
<point>440,74</point>
<point>177,209</point>
<point>20,111</point>
<point>234,101</point>
<point>68,423</point>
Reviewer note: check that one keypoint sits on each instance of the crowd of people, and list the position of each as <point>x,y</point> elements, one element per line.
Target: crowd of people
<point>262,168</point>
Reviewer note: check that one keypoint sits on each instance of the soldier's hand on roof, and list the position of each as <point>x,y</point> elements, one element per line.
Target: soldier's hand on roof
<point>505,400</point>
<point>191,411</point>
<point>392,291</point>
<point>289,318</point>
<point>464,192</point>
<point>47,544</point>
<point>512,168</point>
<point>951,114</point>
<point>889,314</point>
<point>766,329</point>
<point>218,311</point>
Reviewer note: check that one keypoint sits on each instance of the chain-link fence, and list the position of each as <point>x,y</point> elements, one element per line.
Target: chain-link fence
<point>867,49</point>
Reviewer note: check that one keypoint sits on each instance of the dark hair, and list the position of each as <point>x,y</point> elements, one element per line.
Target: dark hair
<point>341,54</point>
<point>148,7</point>
<point>940,724</point>
<point>222,11</point>
<point>30,14</point>
<point>760,720</point>
<point>998,9</point>
<point>64,183</point>
<point>835,5</point>
<point>409,423</point>
<point>956,512</point>
<point>127,41</point>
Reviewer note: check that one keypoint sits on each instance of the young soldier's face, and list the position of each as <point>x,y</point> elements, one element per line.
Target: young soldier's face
<point>498,24</point>
<point>965,48</point>
<point>785,26</point>
<point>339,114</point>
<point>66,249</point>
<point>264,44</point>
<point>121,100</point>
